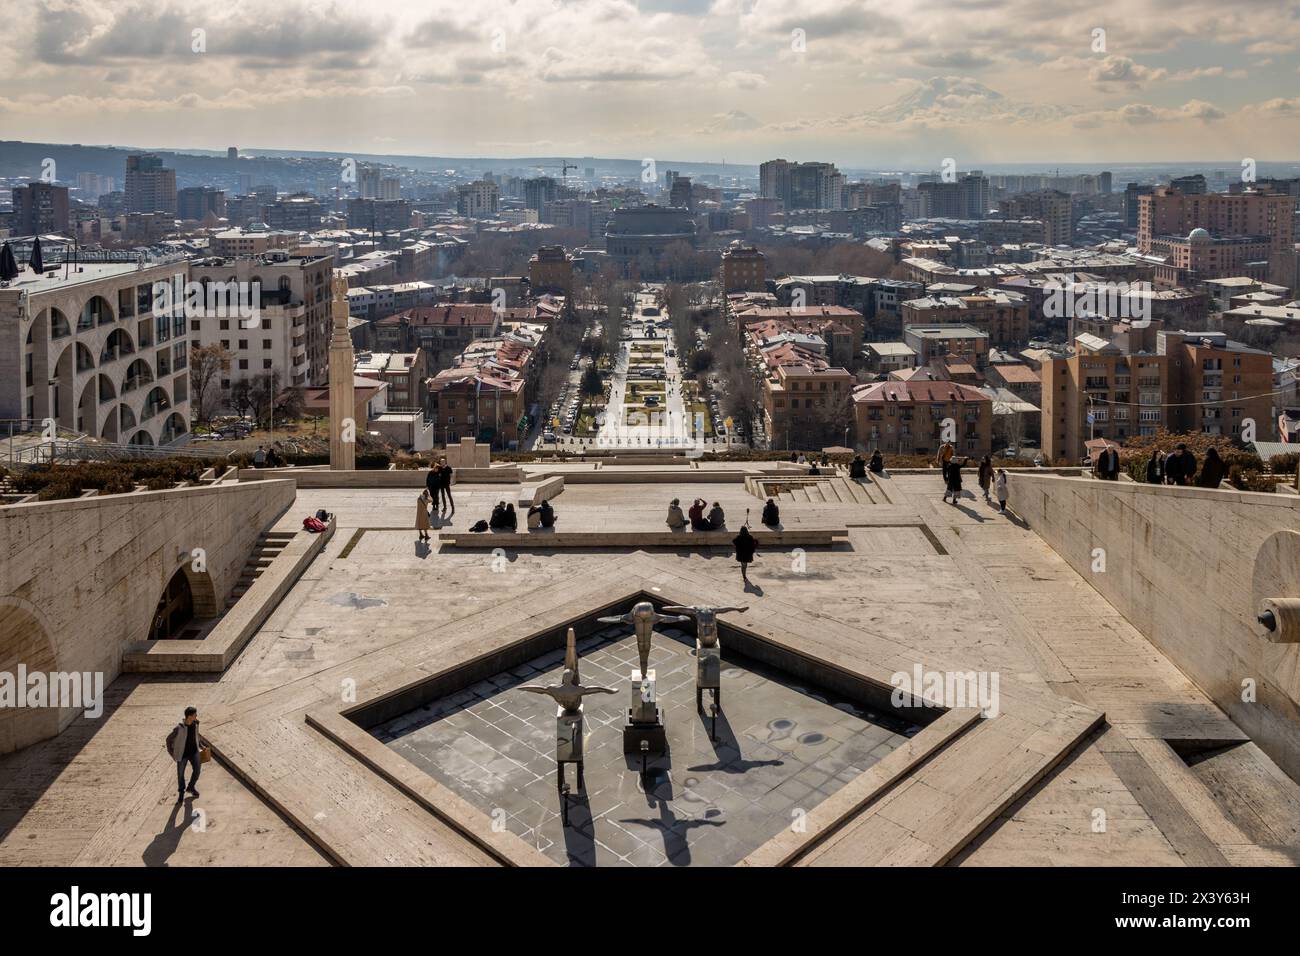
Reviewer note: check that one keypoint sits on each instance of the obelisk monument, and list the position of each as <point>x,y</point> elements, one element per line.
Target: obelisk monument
<point>343,409</point>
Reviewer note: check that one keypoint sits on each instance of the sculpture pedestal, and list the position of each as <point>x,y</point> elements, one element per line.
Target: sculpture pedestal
<point>568,744</point>
<point>644,721</point>
<point>708,673</point>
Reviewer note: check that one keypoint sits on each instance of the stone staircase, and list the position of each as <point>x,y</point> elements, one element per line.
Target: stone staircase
<point>833,489</point>
<point>268,547</point>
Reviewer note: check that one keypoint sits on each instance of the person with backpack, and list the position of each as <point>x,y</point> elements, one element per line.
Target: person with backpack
<point>184,747</point>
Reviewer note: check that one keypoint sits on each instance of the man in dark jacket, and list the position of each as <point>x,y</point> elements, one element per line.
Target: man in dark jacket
<point>745,545</point>
<point>444,486</point>
<point>1180,466</point>
<point>183,745</point>
<point>1108,464</point>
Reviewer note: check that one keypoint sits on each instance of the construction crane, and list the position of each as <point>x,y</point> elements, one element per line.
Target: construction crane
<point>564,168</point>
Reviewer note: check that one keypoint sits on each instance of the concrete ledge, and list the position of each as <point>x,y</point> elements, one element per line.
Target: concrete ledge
<point>381,477</point>
<point>467,820</point>
<point>831,814</point>
<point>535,493</point>
<point>544,538</point>
<point>614,475</point>
<point>218,650</point>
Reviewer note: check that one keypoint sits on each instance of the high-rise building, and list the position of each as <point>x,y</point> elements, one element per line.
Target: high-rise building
<point>232,152</point>
<point>40,208</point>
<point>390,187</point>
<point>478,200</point>
<point>539,191</point>
<point>1050,206</point>
<point>197,202</point>
<point>1169,214</point>
<point>150,186</point>
<point>679,193</point>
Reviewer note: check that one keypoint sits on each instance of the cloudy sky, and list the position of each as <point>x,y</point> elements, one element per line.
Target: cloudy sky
<point>876,83</point>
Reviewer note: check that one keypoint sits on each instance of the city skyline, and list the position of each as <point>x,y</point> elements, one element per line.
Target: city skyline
<point>849,82</point>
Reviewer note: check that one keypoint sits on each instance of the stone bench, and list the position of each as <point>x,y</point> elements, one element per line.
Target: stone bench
<point>545,538</point>
<point>534,493</point>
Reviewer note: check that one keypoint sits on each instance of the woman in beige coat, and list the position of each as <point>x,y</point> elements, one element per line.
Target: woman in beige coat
<point>422,515</point>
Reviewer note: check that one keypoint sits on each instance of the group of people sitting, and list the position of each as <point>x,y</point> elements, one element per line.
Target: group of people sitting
<point>715,520</point>
<point>504,518</point>
<point>859,466</point>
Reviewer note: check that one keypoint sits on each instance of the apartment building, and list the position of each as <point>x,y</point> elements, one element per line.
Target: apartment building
<point>91,352</point>
<point>1237,227</point>
<point>1004,316</point>
<point>1217,386</point>
<point>1051,207</point>
<point>744,269</point>
<point>1102,391</point>
<point>914,417</point>
<point>930,342</point>
<point>294,300</point>
<point>804,397</point>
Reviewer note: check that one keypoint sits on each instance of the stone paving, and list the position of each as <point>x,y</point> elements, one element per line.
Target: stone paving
<point>780,750</point>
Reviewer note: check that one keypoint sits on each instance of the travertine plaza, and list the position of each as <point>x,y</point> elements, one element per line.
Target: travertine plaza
<point>1082,681</point>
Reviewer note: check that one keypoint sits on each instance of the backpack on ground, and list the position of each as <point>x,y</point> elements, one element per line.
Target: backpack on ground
<point>313,524</point>
<point>479,526</point>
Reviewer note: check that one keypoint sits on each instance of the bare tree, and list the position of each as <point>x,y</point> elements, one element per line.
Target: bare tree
<point>208,365</point>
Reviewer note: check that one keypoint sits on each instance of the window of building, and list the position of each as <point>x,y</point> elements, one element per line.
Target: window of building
<point>243,365</point>
<point>266,343</point>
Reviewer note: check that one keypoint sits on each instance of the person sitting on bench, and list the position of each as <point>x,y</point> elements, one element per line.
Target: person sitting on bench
<point>499,521</point>
<point>676,520</point>
<point>771,513</point>
<point>717,520</point>
<point>857,467</point>
<point>877,462</point>
<point>698,521</point>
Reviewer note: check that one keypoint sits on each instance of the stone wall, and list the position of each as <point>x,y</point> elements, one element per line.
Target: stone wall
<point>80,579</point>
<point>1179,565</point>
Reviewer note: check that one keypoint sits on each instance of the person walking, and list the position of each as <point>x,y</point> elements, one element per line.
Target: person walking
<point>1156,468</point>
<point>183,745</point>
<point>1000,489</point>
<point>745,546</point>
<point>433,482</point>
<point>954,480</point>
<point>942,459</point>
<point>986,475</point>
<point>422,515</point>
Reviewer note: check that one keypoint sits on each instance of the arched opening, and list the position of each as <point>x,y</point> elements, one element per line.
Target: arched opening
<point>141,437</point>
<point>85,359</point>
<point>137,373</point>
<point>116,346</point>
<point>175,610</point>
<point>95,312</point>
<point>173,428</point>
<point>126,419</point>
<point>59,325</point>
<point>156,402</point>
<point>110,429</point>
<point>25,640</point>
<point>87,408</point>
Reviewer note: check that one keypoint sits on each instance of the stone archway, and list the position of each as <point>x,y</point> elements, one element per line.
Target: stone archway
<point>25,641</point>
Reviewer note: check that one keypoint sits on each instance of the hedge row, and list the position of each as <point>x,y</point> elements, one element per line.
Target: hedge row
<point>54,482</point>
